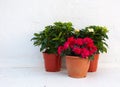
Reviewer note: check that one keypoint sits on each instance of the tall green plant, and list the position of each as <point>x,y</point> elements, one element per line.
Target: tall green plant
<point>52,36</point>
<point>98,34</point>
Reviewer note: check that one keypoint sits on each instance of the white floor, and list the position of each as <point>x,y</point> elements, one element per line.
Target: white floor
<point>107,75</point>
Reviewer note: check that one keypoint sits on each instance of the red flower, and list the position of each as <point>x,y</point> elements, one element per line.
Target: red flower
<point>60,49</point>
<point>79,41</point>
<point>93,49</point>
<point>66,45</point>
<point>89,45</point>
<point>71,40</point>
<point>77,50</point>
<point>85,53</point>
<point>87,40</point>
<point>78,47</point>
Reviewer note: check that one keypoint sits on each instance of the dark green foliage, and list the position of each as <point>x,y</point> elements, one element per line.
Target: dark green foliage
<point>99,35</point>
<point>52,36</point>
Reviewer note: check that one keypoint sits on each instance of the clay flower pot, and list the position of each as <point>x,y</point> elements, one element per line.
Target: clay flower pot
<point>77,67</point>
<point>94,63</point>
<point>52,62</point>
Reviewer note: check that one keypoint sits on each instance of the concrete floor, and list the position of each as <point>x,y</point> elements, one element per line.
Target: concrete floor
<point>107,75</point>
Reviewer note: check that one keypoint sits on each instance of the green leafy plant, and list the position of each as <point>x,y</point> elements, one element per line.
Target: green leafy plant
<point>52,36</point>
<point>98,34</point>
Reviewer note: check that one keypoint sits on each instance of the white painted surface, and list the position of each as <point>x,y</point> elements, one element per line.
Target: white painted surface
<point>19,19</point>
<point>106,76</point>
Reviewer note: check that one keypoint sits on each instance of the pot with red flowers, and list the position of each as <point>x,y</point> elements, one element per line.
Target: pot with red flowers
<point>78,52</point>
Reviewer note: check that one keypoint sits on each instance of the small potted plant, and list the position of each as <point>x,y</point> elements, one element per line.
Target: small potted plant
<point>78,52</point>
<point>49,39</point>
<point>99,36</point>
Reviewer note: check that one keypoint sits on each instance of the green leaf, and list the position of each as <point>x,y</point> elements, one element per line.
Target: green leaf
<point>42,47</point>
<point>91,57</point>
<point>60,34</point>
<point>34,38</point>
<point>105,44</point>
<point>104,49</point>
<point>55,38</point>
<point>36,34</point>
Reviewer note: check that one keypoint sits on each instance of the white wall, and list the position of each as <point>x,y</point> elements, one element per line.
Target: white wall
<point>19,19</point>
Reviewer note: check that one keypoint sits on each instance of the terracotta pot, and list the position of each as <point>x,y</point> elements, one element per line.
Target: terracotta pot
<point>52,62</point>
<point>94,63</point>
<point>77,67</point>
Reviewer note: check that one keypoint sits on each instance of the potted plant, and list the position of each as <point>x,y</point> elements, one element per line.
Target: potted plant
<point>78,52</point>
<point>49,39</point>
<point>99,36</point>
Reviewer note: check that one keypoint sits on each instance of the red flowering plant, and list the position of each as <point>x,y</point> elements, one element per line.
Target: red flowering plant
<point>82,47</point>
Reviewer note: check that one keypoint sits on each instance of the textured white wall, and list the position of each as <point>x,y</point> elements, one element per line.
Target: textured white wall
<point>19,19</point>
